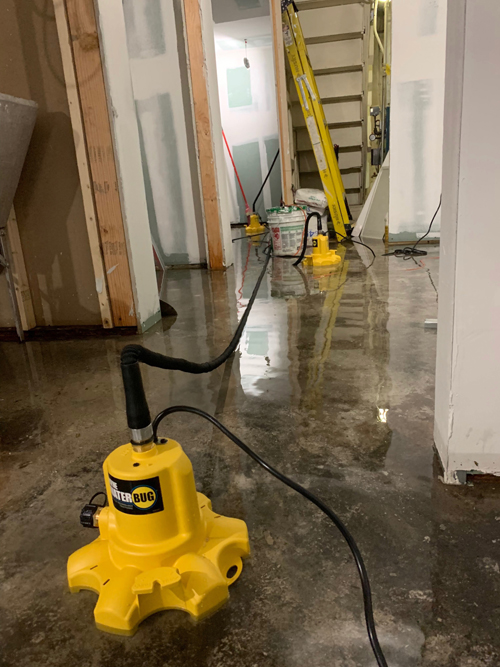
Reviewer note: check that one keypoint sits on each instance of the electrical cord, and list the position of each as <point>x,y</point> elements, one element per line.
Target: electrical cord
<point>265,180</point>
<point>358,559</point>
<point>349,238</point>
<point>411,251</point>
<point>249,236</point>
<point>306,236</point>
<point>99,493</point>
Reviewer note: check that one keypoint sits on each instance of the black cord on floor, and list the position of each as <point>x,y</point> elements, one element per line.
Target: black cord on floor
<point>249,236</point>
<point>410,251</point>
<point>363,574</point>
<point>349,238</point>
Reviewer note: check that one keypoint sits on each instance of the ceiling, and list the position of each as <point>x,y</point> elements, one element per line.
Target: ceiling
<point>224,11</point>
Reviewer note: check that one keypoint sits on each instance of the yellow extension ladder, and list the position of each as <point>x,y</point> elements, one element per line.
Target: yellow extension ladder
<point>314,115</point>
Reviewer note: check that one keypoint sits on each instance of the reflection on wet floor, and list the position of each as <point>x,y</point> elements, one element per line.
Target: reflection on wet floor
<point>333,384</point>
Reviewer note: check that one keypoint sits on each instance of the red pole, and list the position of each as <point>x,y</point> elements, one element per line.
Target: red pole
<point>247,207</point>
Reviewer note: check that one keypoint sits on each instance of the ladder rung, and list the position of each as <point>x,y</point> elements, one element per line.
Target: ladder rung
<point>348,123</point>
<point>338,70</point>
<point>342,149</point>
<point>334,126</point>
<point>347,170</point>
<point>336,100</point>
<point>321,4</point>
<point>324,39</point>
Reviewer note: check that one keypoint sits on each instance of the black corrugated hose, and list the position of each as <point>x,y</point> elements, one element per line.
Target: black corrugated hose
<point>138,416</point>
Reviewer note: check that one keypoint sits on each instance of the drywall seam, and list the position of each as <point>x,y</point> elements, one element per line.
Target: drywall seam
<point>111,26</point>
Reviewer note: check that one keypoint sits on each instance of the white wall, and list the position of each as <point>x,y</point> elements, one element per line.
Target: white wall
<point>467,418</point>
<point>257,122</point>
<point>417,98</point>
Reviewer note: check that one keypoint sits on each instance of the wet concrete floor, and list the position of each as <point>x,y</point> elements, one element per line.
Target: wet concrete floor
<point>333,385</point>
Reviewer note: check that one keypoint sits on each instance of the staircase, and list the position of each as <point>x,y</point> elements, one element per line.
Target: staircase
<point>334,31</point>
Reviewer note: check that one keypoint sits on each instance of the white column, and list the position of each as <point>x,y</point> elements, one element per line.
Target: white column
<point>467,416</point>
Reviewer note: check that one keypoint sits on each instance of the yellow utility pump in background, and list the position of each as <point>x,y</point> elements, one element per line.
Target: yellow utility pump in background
<point>314,116</point>
<point>254,227</point>
<point>321,253</point>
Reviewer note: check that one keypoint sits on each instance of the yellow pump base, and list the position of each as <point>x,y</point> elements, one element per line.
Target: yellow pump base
<point>255,227</point>
<point>321,253</point>
<point>160,546</point>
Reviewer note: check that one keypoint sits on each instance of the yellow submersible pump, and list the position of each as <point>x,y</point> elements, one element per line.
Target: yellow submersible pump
<point>160,544</point>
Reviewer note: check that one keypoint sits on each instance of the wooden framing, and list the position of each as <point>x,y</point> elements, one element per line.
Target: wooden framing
<point>281,101</point>
<point>95,150</point>
<point>206,151</point>
<point>19,274</point>
<point>83,165</point>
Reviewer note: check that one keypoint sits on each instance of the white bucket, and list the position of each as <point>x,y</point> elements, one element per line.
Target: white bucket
<point>287,229</point>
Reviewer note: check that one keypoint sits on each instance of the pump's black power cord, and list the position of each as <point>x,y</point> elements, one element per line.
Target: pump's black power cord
<point>349,238</point>
<point>99,493</point>
<point>411,251</point>
<point>363,574</point>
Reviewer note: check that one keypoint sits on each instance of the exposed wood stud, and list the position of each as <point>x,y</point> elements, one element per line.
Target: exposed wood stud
<point>199,91</point>
<point>83,164</point>
<point>19,274</point>
<point>90,81</point>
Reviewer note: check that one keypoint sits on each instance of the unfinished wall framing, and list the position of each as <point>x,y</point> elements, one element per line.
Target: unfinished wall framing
<point>106,138</point>
<point>48,201</point>
<point>90,81</point>
<point>203,124</point>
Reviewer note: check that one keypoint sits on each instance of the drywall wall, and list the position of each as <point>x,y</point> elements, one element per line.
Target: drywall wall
<point>247,100</point>
<point>48,202</point>
<point>417,98</point>
<point>467,421</point>
<point>156,51</point>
